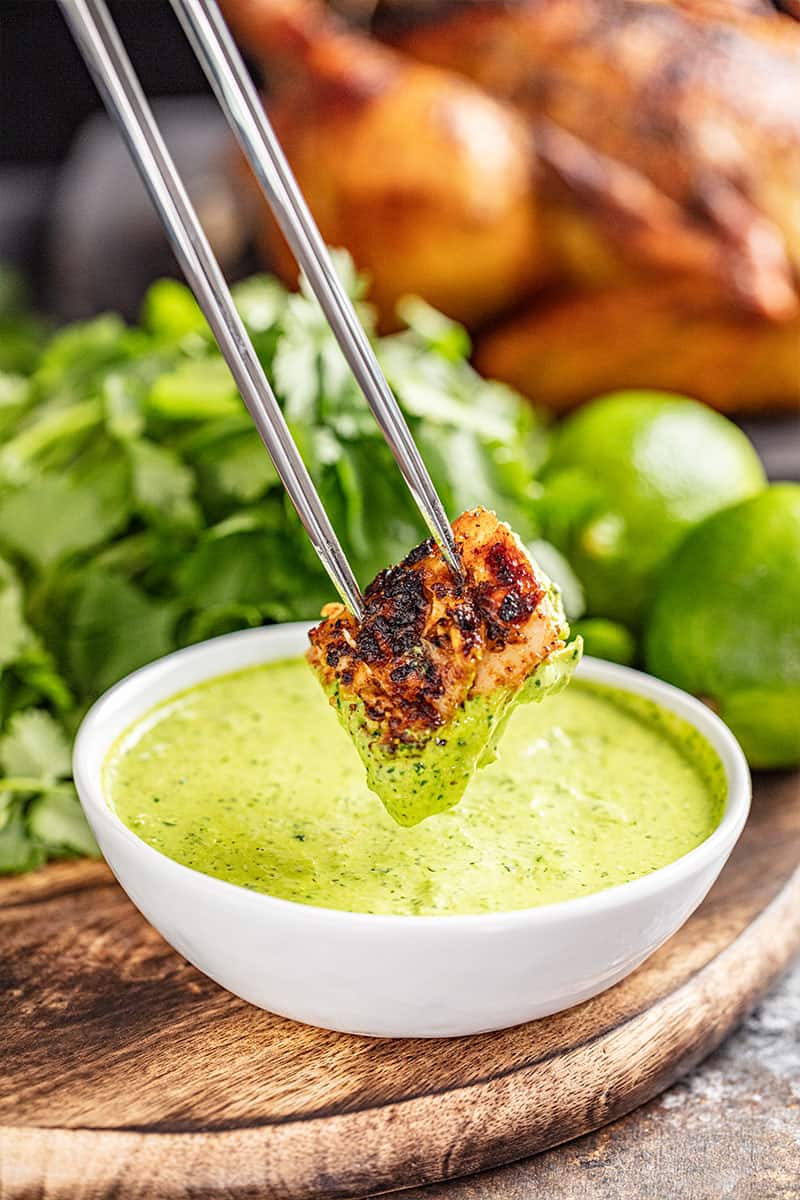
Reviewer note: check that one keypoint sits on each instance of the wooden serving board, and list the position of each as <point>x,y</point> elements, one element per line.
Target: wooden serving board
<point>125,1073</point>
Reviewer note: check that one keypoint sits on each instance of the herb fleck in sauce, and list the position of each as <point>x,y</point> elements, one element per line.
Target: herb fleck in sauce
<point>250,777</point>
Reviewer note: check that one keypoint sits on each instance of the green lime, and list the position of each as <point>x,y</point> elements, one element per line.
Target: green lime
<point>606,639</point>
<point>628,476</point>
<point>725,623</point>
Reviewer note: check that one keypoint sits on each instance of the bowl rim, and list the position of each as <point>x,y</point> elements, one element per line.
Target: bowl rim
<point>92,746</point>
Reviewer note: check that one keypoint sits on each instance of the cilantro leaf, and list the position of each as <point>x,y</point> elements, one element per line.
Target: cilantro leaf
<point>171,312</point>
<point>436,331</point>
<point>163,485</point>
<point>73,357</point>
<point>57,515</point>
<point>261,302</point>
<point>55,819</point>
<point>195,390</point>
<point>15,396</point>
<point>35,745</point>
<point>14,632</point>
<point>115,628</point>
<point>18,850</point>
<point>234,468</point>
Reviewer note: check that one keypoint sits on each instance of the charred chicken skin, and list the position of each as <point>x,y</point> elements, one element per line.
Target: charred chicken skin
<point>425,681</point>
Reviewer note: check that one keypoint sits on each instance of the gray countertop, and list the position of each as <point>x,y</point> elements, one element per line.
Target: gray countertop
<point>731,1129</point>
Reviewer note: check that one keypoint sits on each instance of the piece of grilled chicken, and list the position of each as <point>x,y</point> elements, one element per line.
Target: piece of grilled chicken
<point>676,129</point>
<point>424,178</point>
<point>667,334</point>
<point>425,681</point>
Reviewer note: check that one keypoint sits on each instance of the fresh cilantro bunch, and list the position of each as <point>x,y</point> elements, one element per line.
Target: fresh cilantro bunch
<point>139,511</point>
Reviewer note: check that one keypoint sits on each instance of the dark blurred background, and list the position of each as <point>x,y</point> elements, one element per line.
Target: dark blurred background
<point>73,215</point>
<point>45,91</point>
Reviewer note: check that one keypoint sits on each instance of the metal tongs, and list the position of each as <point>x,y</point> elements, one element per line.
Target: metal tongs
<point>117,82</point>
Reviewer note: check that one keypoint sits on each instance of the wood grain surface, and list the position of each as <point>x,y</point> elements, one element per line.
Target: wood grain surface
<point>125,1073</point>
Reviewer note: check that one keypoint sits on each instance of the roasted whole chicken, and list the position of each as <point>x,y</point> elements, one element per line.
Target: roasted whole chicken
<point>605,191</point>
<point>426,681</point>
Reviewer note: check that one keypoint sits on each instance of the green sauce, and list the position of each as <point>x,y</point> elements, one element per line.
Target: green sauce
<point>250,778</point>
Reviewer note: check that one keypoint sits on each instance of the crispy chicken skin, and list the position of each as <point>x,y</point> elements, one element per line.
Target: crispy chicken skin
<point>678,128</point>
<point>424,177</point>
<point>427,646</point>
<point>668,335</point>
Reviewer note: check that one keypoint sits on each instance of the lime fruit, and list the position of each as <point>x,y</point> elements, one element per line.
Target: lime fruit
<point>725,622</point>
<point>606,639</point>
<point>628,476</point>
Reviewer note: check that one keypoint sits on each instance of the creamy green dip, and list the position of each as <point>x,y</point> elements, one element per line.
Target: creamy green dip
<point>250,777</point>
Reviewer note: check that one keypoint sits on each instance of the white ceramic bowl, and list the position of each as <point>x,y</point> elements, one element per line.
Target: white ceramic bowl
<point>395,976</point>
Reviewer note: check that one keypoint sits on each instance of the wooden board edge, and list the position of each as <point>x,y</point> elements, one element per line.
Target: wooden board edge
<point>467,1129</point>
